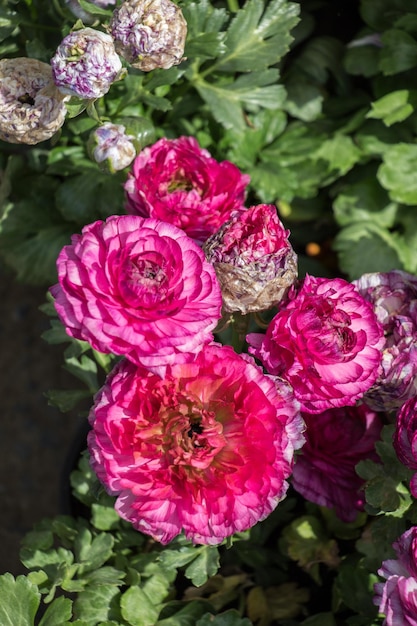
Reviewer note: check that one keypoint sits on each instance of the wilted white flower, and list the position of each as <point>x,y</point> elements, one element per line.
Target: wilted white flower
<point>31,107</point>
<point>86,64</point>
<point>149,33</point>
<point>111,147</point>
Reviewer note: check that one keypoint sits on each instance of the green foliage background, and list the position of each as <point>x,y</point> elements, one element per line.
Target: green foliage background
<point>317,101</point>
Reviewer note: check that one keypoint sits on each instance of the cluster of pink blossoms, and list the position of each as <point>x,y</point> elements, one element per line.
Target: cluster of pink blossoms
<point>189,435</point>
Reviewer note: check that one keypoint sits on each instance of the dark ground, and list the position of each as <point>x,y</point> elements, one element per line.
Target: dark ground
<point>36,439</point>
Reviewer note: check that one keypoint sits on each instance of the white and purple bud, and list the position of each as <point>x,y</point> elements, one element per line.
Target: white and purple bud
<point>86,64</point>
<point>149,34</point>
<point>393,296</point>
<point>253,260</point>
<point>111,147</point>
<point>31,107</point>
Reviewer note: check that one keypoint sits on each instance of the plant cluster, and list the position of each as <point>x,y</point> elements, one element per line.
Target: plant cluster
<point>251,453</point>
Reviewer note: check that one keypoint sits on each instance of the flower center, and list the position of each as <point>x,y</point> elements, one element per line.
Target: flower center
<point>26,98</point>
<point>144,280</point>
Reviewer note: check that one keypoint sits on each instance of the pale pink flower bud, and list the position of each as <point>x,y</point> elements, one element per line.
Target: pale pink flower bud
<point>149,33</point>
<point>86,64</point>
<point>111,147</point>
<point>253,259</point>
<point>31,107</point>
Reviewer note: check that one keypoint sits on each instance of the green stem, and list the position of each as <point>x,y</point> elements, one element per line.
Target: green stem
<point>233,6</point>
<point>240,324</point>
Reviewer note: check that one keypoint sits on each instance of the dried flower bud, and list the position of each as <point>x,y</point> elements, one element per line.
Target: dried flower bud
<point>111,147</point>
<point>149,33</point>
<point>86,64</point>
<point>31,107</point>
<point>254,261</point>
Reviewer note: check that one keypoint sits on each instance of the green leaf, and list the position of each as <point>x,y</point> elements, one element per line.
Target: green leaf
<point>394,107</point>
<point>355,587</point>
<point>138,609</point>
<point>91,553</point>
<point>363,201</point>
<point>362,60</point>
<point>340,152</point>
<point>228,618</point>
<point>89,196</point>
<point>260,29</point>
<point>320,619</point>
<point>205,565</point>
<point>304,100</point>
<point>85,369</point>
<point>57,613</point>
<point>94,9</point>
<point>365,247</point>
<point>180,614</point>
<point>66,400</point>
<point>228,101</point>
<point>398,52</point>
<point>19,601</point>
<point>104,517</point>
<point>97,604</point>
<point>397,173</point>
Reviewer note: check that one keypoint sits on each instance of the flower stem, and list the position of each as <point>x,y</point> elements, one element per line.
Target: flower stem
<point>239,326</point>
<point>233,6</point>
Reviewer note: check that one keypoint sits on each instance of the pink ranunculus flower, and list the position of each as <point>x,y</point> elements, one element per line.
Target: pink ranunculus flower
<point>405,438</point>
<point>326,341</point>
<point>177,181</point>
<point>206,448</point>
<point>336,440</point>
<point>254,261</point>
<point>396,597</point>
<point>139,288</point>
<point>393,296</point>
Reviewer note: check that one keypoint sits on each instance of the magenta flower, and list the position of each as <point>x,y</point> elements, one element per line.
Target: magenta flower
<point>206,448</point>
<point>149,34</point>
<point>177,181</point>
<point>405,438</point>
<point>86,64</point>
<point>393,296</point>
<point>336,440</point>
<point>253,259</point>
<point>137,287</point>
<point>397,596</point>
<point>326,341</point>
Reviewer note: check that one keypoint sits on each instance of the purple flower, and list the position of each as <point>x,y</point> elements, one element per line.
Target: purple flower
<point>111,147</point>
<point>336,440</point>
<point>253,259</point>
<point>397,596</point>
<point>149,33</point>
<point>393,296</point>
<point>86,64</point>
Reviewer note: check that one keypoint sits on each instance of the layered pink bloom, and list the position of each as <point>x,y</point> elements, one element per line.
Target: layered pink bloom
<point>393,296</point>
<point>405,438</point>
<point>326,341</point>
<point>336,440</point>
<point>205,449</point>
<point>397,596</point>
<point>137,287</point>
<point>177,181</point>
<point>253,259</point>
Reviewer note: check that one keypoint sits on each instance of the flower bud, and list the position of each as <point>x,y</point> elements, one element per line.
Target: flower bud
<point>149,33</point>
<point>86,64</point>
<point>393,296</point>
<point>111,147</point>
<point>31,107</point>
<point>253,259</point>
